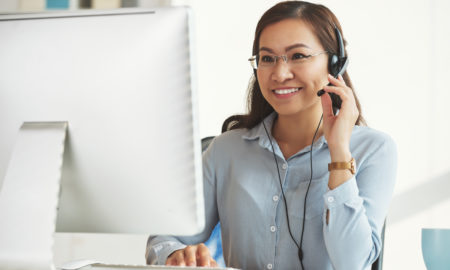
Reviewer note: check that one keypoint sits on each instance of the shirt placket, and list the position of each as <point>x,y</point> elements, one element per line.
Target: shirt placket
<point>277,201</point>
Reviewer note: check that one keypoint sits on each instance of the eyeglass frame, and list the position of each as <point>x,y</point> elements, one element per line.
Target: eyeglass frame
<point>254,63</point>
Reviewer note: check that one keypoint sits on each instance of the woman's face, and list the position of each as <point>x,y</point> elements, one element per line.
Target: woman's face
<point>291,87</point>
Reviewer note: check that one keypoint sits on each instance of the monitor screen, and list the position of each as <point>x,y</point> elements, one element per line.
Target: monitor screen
<point>123,81</point>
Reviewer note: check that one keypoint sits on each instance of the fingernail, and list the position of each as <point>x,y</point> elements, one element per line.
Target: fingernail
<point>191,264</point>
<point>320,92</point>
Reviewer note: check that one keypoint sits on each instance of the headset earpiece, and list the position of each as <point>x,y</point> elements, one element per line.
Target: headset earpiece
<point>333,65</point>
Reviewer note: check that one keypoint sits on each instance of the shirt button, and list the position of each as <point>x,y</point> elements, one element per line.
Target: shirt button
<point>269,266</point>
<point>275,198</point>
<point>330,199</point>
<point>284,166</point>
<point>273,228</point>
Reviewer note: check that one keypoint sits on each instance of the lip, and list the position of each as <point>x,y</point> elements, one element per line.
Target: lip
<point>286,96</point>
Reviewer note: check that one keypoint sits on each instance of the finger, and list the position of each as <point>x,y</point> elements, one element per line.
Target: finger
<point>190,255</point>
<point>203,255</point>
<point>348,106</point>
<point>214,263</point>
<point>171,259</point>
<point>337,82</point>
<point>179,257</point>
<point>343,94</point>
<point>327,105</point>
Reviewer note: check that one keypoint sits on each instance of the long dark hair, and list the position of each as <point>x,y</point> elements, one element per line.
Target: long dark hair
<point>322,21</point>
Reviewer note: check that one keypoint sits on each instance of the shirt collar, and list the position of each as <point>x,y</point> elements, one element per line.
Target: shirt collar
<point>259,133</point>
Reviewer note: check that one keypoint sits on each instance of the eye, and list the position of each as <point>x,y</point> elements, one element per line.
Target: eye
<point>267,59</point>
<point>299,56</point>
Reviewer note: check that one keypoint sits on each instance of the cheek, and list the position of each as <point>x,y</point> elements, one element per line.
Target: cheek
<point>315,75</point>
<point>262,79</point>
<point>319,68</point>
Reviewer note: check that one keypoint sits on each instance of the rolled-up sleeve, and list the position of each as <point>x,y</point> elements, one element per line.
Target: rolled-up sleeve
<point>160,247</point>
<point>357,209</point>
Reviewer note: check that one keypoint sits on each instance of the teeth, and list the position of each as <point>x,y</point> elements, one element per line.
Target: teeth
<point>286,91</point>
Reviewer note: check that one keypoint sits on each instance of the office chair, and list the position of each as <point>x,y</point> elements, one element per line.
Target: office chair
<point>214,243</point>
<point>378,264</point>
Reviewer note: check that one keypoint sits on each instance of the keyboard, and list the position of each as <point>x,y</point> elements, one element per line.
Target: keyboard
<point>93,265</point>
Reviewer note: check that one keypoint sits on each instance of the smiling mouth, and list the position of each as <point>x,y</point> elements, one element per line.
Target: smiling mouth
<point>286,91</point>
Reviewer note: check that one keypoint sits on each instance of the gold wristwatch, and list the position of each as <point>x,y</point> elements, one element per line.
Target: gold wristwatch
<point>351,166</point>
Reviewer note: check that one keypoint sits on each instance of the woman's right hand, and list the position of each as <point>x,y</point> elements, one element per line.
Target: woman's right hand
<point>196,255</point>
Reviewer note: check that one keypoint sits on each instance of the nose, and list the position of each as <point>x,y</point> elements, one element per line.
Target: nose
<point>282,71</point>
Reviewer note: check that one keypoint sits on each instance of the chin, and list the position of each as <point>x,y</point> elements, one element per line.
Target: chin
<point>293,110</point>
<point>288,111</point>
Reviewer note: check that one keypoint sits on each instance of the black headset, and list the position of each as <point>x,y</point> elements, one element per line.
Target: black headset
<point>336,66</point>
<point>338,63</point>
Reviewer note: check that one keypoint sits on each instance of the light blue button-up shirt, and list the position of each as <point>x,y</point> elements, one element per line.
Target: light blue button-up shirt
<point>242,191</point>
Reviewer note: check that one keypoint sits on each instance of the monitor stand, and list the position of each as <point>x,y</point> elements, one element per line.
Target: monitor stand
<point>29,197</point>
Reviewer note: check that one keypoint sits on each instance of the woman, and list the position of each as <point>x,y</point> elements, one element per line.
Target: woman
<point>268,179</point>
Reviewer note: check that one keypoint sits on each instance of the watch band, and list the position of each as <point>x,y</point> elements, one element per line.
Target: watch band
<point>351,166</point>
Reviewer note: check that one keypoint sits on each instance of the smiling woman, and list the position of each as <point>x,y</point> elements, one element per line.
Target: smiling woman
<point>298,182</point>
<point>290,86</point>
<point>316,17</point>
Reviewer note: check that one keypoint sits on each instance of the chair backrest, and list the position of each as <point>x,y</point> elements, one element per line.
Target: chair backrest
<point>206,141</point>
<point>377,265</point>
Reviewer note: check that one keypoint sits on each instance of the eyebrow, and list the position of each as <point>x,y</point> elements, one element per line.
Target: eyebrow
<point>288,48</point>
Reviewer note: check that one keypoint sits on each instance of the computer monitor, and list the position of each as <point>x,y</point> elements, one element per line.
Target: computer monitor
<point>123,81</point>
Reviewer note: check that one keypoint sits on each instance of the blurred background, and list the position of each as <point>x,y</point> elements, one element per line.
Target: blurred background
<point>399,65</point>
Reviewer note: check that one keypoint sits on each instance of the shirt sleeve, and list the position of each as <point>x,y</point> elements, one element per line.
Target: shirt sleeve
<point>358,209</point>
<point>159,247</point>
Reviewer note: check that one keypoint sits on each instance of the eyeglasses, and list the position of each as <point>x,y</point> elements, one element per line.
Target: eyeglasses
<point>270,60</point>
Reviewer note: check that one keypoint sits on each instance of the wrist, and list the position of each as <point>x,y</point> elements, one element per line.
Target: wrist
<point>340,155</point>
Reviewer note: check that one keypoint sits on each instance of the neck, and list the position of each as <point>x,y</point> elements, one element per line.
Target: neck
<point>298,129</point>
